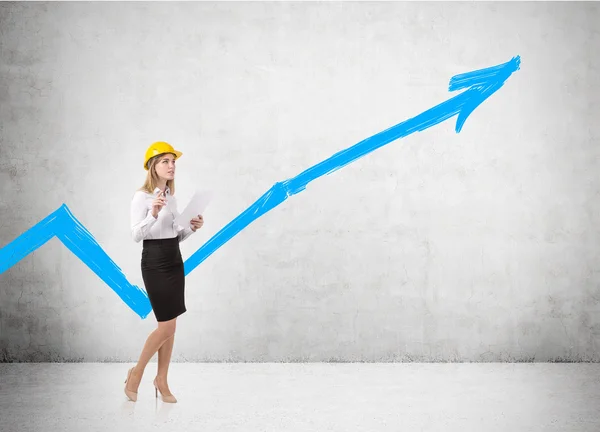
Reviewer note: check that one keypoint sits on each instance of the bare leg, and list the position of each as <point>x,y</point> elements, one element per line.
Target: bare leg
<point>164,358</point>
<point>155,340</point>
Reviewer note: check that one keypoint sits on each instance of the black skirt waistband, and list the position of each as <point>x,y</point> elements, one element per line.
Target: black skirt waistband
<point>161,242</point>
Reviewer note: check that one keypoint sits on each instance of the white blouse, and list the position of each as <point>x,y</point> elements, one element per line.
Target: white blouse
<point>145,227</point>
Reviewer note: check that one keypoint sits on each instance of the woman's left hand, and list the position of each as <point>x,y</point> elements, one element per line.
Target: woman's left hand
<point>197,223</point>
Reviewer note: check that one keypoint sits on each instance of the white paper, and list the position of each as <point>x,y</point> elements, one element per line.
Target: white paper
<point>195,207</point>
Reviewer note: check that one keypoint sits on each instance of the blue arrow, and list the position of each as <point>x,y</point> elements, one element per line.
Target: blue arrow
<point>480,85</point>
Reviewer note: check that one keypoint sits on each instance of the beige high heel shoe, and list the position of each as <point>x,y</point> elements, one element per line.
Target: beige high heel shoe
<point>130,394</point>
<point>168,398</point>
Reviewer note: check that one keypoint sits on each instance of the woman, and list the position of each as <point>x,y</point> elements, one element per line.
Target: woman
<point>153,210</point>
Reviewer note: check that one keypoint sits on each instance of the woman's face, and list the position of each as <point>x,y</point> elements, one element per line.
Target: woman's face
<point>165,167</point>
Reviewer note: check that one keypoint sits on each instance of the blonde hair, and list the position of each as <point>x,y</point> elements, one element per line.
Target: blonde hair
<point>152,178</point>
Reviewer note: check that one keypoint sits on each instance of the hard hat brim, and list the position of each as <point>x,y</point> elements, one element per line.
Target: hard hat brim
<point>174,152</point>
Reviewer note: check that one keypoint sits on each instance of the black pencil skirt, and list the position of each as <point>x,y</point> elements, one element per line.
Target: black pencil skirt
<point>164,278</point>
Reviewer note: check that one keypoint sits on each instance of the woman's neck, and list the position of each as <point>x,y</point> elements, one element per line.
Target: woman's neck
<point>162,186</point>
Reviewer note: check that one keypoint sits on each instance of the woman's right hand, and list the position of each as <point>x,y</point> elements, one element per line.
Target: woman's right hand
<point>158,203</point>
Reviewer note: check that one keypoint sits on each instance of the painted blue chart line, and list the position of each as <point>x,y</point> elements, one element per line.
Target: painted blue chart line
<point>479,84</point>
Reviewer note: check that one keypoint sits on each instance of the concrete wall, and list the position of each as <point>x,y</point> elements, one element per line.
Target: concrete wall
<point>477,246</point>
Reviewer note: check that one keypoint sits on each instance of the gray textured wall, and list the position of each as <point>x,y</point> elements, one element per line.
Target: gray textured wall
<point>478,246</point>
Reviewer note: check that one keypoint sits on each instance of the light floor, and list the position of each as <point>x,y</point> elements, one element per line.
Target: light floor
<point>283,397</point>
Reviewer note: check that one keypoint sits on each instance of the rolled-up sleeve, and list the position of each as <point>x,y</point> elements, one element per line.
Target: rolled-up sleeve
<point>141,219</point>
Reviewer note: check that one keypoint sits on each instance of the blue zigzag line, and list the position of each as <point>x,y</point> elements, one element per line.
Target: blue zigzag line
<point>480,85</point>
<point>64,225</point>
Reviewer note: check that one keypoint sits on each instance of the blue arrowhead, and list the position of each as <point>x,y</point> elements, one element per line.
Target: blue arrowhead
<point>480,85</point>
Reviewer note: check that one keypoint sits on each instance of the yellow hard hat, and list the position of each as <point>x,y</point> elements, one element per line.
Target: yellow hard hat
<point>157,148</point>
